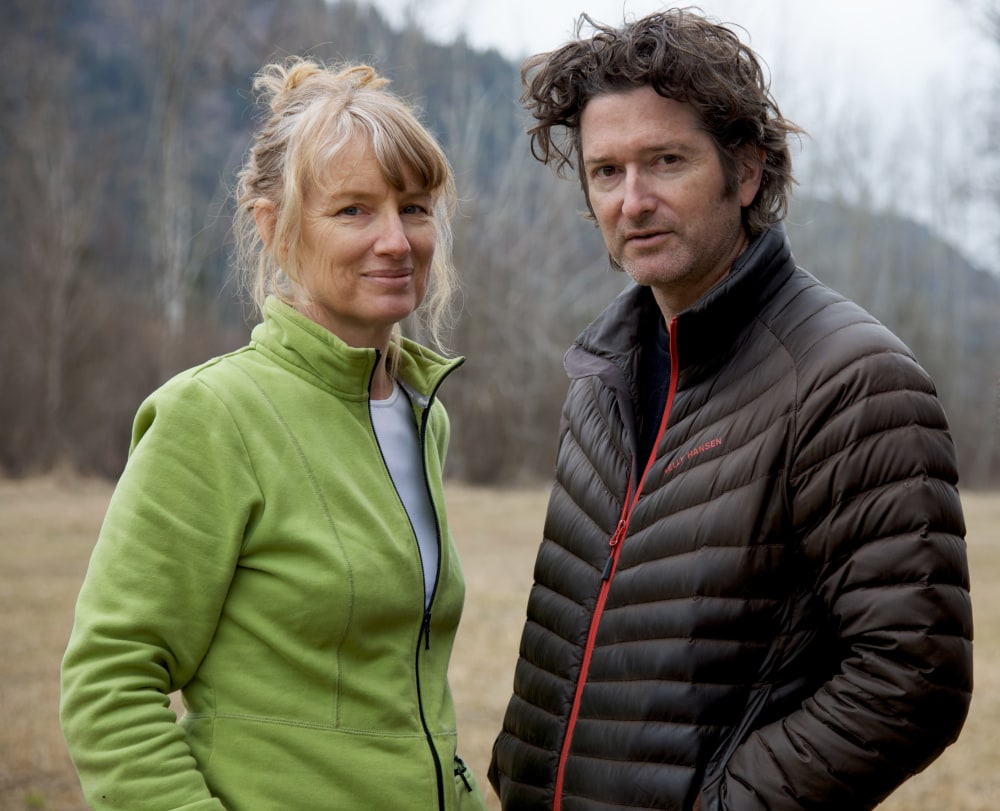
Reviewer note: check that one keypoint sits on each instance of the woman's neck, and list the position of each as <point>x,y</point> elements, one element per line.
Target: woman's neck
<point>382,383</point>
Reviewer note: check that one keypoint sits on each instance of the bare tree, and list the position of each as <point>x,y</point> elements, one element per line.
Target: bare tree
<point>534,274</point>
<point>181,46</point>
<point>175,41</point>
<point>58,196</point>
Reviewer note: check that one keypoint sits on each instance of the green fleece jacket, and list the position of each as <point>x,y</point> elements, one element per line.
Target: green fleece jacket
<point>256,557</point>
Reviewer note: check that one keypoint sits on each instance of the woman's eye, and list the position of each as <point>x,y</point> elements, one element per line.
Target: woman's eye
<point>350,211</point>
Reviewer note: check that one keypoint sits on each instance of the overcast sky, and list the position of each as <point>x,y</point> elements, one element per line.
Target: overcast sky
<point>904,45</point>
<point>918,74</point>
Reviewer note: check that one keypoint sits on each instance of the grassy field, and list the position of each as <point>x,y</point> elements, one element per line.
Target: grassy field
<point>49,526</point>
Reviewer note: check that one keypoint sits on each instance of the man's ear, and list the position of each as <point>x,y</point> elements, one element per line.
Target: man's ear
<point>266,217</point>
<point>751,173</point>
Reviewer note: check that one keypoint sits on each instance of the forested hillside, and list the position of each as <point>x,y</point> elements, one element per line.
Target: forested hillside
<point>121,127</point>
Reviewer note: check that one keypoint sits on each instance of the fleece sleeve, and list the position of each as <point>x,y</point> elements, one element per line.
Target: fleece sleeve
<point>151,600</point>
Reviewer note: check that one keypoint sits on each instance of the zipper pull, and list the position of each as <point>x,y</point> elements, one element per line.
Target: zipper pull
<point>427,630</point>
<point>619,533</point>
<point>615,540</point>
<point>460,770</point>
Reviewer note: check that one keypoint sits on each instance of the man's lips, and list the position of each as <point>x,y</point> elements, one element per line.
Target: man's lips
<point>644,236</point>
<point>644,233</point>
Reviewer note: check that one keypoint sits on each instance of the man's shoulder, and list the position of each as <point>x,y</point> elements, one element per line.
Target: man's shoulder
<point>831,340</point>
<point>806,312</point>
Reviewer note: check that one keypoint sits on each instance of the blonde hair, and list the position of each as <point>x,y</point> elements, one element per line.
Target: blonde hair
<point>312,113</point>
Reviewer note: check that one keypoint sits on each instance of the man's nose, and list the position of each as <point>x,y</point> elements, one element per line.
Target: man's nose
<point>638,198</point>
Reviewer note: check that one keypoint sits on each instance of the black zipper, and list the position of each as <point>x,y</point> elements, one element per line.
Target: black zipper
<point>425,623</point>
<point>425,630</point>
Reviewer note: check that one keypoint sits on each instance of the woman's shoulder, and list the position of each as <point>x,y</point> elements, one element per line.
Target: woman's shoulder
<point>203,388</point>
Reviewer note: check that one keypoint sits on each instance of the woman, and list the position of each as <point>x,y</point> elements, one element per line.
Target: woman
<point>277,547</point>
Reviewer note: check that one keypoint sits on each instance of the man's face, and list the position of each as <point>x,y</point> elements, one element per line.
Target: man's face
<point>657,189</point>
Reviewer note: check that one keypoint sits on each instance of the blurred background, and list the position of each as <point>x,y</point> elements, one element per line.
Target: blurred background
<point>123,122</point>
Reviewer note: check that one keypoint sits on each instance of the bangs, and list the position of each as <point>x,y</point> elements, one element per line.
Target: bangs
<point>405,152</point>
<point>410,152</point>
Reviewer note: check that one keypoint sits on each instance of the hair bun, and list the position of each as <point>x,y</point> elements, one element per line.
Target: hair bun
<point>363,76</point>
<point>298,73</point>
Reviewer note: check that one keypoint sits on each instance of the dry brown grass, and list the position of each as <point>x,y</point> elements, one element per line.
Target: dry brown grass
<point>49,526</point>
<point>47,529</point>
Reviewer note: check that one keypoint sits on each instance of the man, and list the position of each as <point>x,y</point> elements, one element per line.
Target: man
<point>752,589</point>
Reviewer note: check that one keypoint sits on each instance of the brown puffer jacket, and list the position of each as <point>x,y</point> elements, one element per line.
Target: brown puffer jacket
<point>780,619</point>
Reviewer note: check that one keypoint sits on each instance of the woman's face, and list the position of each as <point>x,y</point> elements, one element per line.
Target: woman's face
<point>366,249</point>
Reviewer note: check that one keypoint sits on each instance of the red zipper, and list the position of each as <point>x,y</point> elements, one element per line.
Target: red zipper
<point>615,544</point>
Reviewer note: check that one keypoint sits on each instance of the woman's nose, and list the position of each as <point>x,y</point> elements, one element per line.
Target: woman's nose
<point>392,240</point>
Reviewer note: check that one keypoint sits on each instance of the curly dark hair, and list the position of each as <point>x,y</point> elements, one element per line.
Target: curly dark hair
<point>685,57</point>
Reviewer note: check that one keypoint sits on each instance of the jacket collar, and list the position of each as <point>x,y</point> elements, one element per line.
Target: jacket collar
<point>705,329</point>
<point>710,325</point>
<point>316,354</point>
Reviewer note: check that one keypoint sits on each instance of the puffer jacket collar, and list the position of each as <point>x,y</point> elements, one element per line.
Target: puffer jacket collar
<point>608,346</point>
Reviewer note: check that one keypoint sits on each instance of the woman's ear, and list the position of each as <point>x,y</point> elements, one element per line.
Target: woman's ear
<point>266,217</point>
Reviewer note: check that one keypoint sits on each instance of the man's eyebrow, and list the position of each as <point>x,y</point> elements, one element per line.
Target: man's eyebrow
<point>652,149</point>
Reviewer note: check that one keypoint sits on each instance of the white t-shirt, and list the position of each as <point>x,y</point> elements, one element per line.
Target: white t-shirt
<point>396,429</point>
